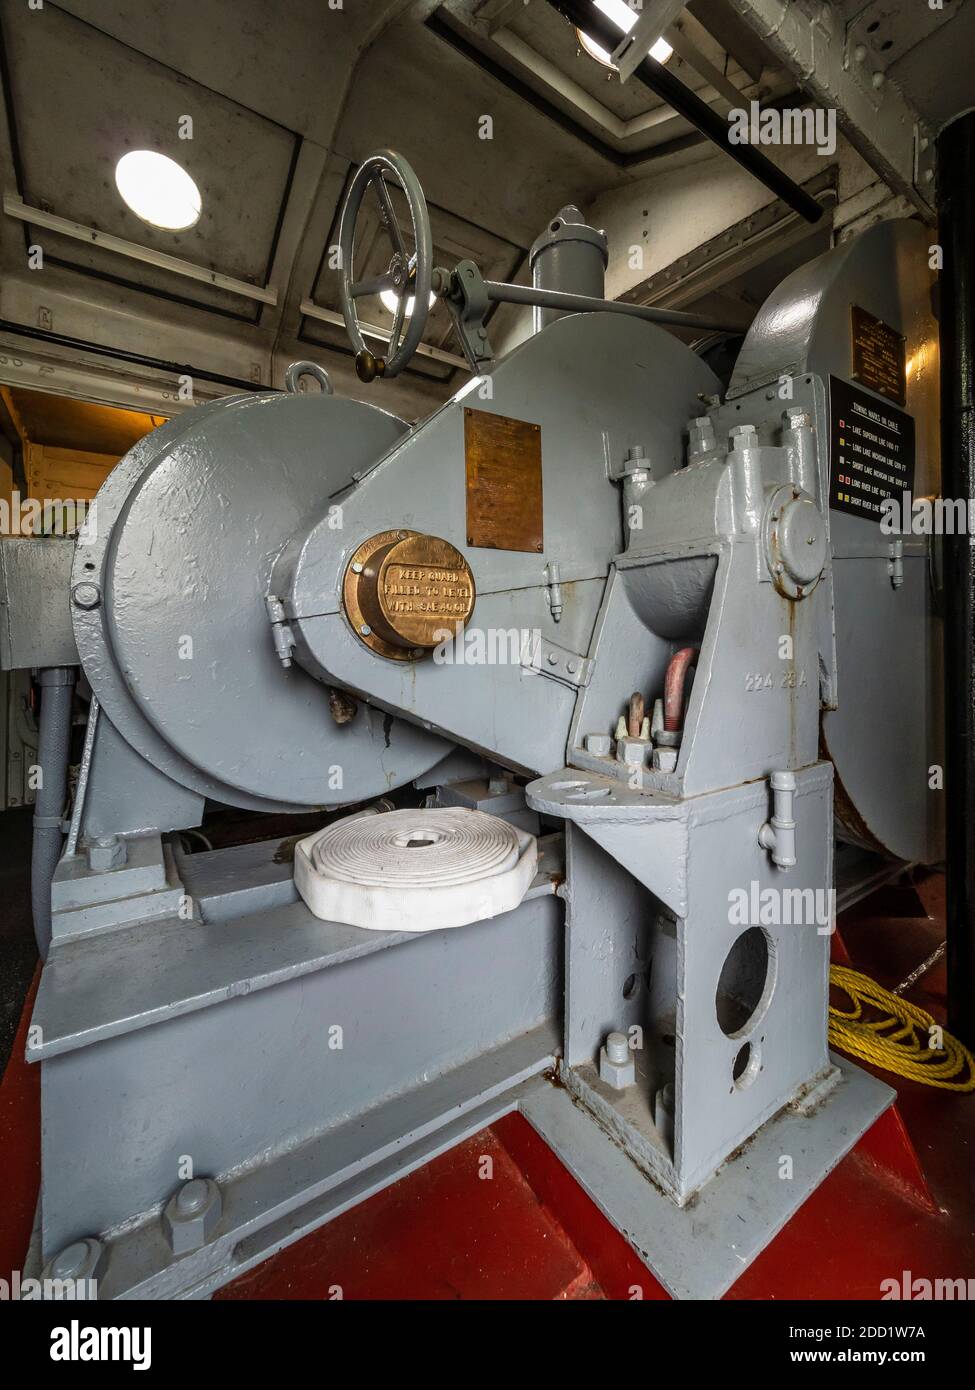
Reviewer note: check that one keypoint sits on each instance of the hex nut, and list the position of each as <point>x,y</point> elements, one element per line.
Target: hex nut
<point>87,594</point>
<point>700,436</point>
<point>107,852</point>
<point>632,751</point>
<point>600,745</point>
<point>665,759</point>
<point>616,1073</point>
<point>84,1259</point>
<point>743,436</point>
<point>192,1214</point>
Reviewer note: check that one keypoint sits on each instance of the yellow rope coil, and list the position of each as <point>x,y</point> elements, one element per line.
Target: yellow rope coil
<point>900,1041</point>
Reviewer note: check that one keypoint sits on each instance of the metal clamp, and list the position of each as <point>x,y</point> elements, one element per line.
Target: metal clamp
<point>281,631</point>
<point>467,301</point>
<point>559,664</point>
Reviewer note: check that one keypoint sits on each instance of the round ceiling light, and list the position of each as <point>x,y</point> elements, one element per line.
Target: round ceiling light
<point>624,16</point>
<point>158,190</point>
<point>661,50</point>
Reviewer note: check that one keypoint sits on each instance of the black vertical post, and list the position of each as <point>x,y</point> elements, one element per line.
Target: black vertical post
<point>956,236</point>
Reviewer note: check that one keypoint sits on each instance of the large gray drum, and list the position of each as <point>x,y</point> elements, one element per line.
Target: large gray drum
<point>885,738</point>
<point>177,644</point>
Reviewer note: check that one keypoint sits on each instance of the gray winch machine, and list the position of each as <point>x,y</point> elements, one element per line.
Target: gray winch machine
<point>293,601</point>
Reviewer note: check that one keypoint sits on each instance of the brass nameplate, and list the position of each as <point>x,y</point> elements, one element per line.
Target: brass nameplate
<point>417,598</point>
<point>504,482</point>
<point>879,355</point>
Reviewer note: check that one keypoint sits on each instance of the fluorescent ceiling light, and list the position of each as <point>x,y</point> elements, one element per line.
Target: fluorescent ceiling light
<point>621,14</point>
<point>158,190</point>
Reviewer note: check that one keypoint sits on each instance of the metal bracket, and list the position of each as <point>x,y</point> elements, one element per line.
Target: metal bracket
<point>924,159</point>
<point>281,631</point>
<point>877,119</point>
<point>895,562</point>
<point>888,31</point>
<point>873,43</point>
<point>468,303</point>
<point>635,45</point>
<point>558,663</point>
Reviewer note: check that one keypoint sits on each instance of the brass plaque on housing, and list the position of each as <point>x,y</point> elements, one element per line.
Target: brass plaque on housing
<point>405,592</point>
<point>504,482</point>
<point>879,355</point>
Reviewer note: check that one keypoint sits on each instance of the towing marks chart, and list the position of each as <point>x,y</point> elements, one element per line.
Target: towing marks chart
<point>871,451</point>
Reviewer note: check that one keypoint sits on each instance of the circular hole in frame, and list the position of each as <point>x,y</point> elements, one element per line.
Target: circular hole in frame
<point>746,983</point>
<point>746,1066</point>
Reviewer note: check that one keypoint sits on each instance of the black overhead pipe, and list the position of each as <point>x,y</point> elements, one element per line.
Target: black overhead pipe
<point>584,15</point>
<point>956,236</point>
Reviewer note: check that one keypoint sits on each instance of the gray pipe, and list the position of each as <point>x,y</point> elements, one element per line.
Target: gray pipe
<point>53,746</point>
<point>500,293</point>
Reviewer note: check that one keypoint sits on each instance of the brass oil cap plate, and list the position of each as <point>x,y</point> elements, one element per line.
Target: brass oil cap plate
<point>403,591</point>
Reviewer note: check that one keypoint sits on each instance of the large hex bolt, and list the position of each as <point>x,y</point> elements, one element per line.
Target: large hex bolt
<point>82,1261</point>
<point>87,594</point>
<point>743,436</point>
<point>616,1063</point>
<point>192,1214</point>
<point>701,439</point>
<point>107,852</point>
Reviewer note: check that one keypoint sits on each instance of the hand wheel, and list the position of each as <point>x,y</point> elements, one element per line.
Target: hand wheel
<point>406,275</point>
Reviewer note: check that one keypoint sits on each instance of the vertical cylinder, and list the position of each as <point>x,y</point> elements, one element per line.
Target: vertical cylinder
<point>53,750</point>
<point>956,235</point>
<point>569,256</point>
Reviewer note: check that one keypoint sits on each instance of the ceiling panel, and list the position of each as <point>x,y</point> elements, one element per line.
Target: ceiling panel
<point>416,92</point>
<point>537,47</point>
<point>120,100</point>
<point>289,61</point>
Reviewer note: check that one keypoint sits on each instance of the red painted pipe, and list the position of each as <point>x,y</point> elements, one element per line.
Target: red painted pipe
<point>677,668</point>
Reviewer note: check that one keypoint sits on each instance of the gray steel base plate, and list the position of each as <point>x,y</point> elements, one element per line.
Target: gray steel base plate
<point>698,1251</point>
